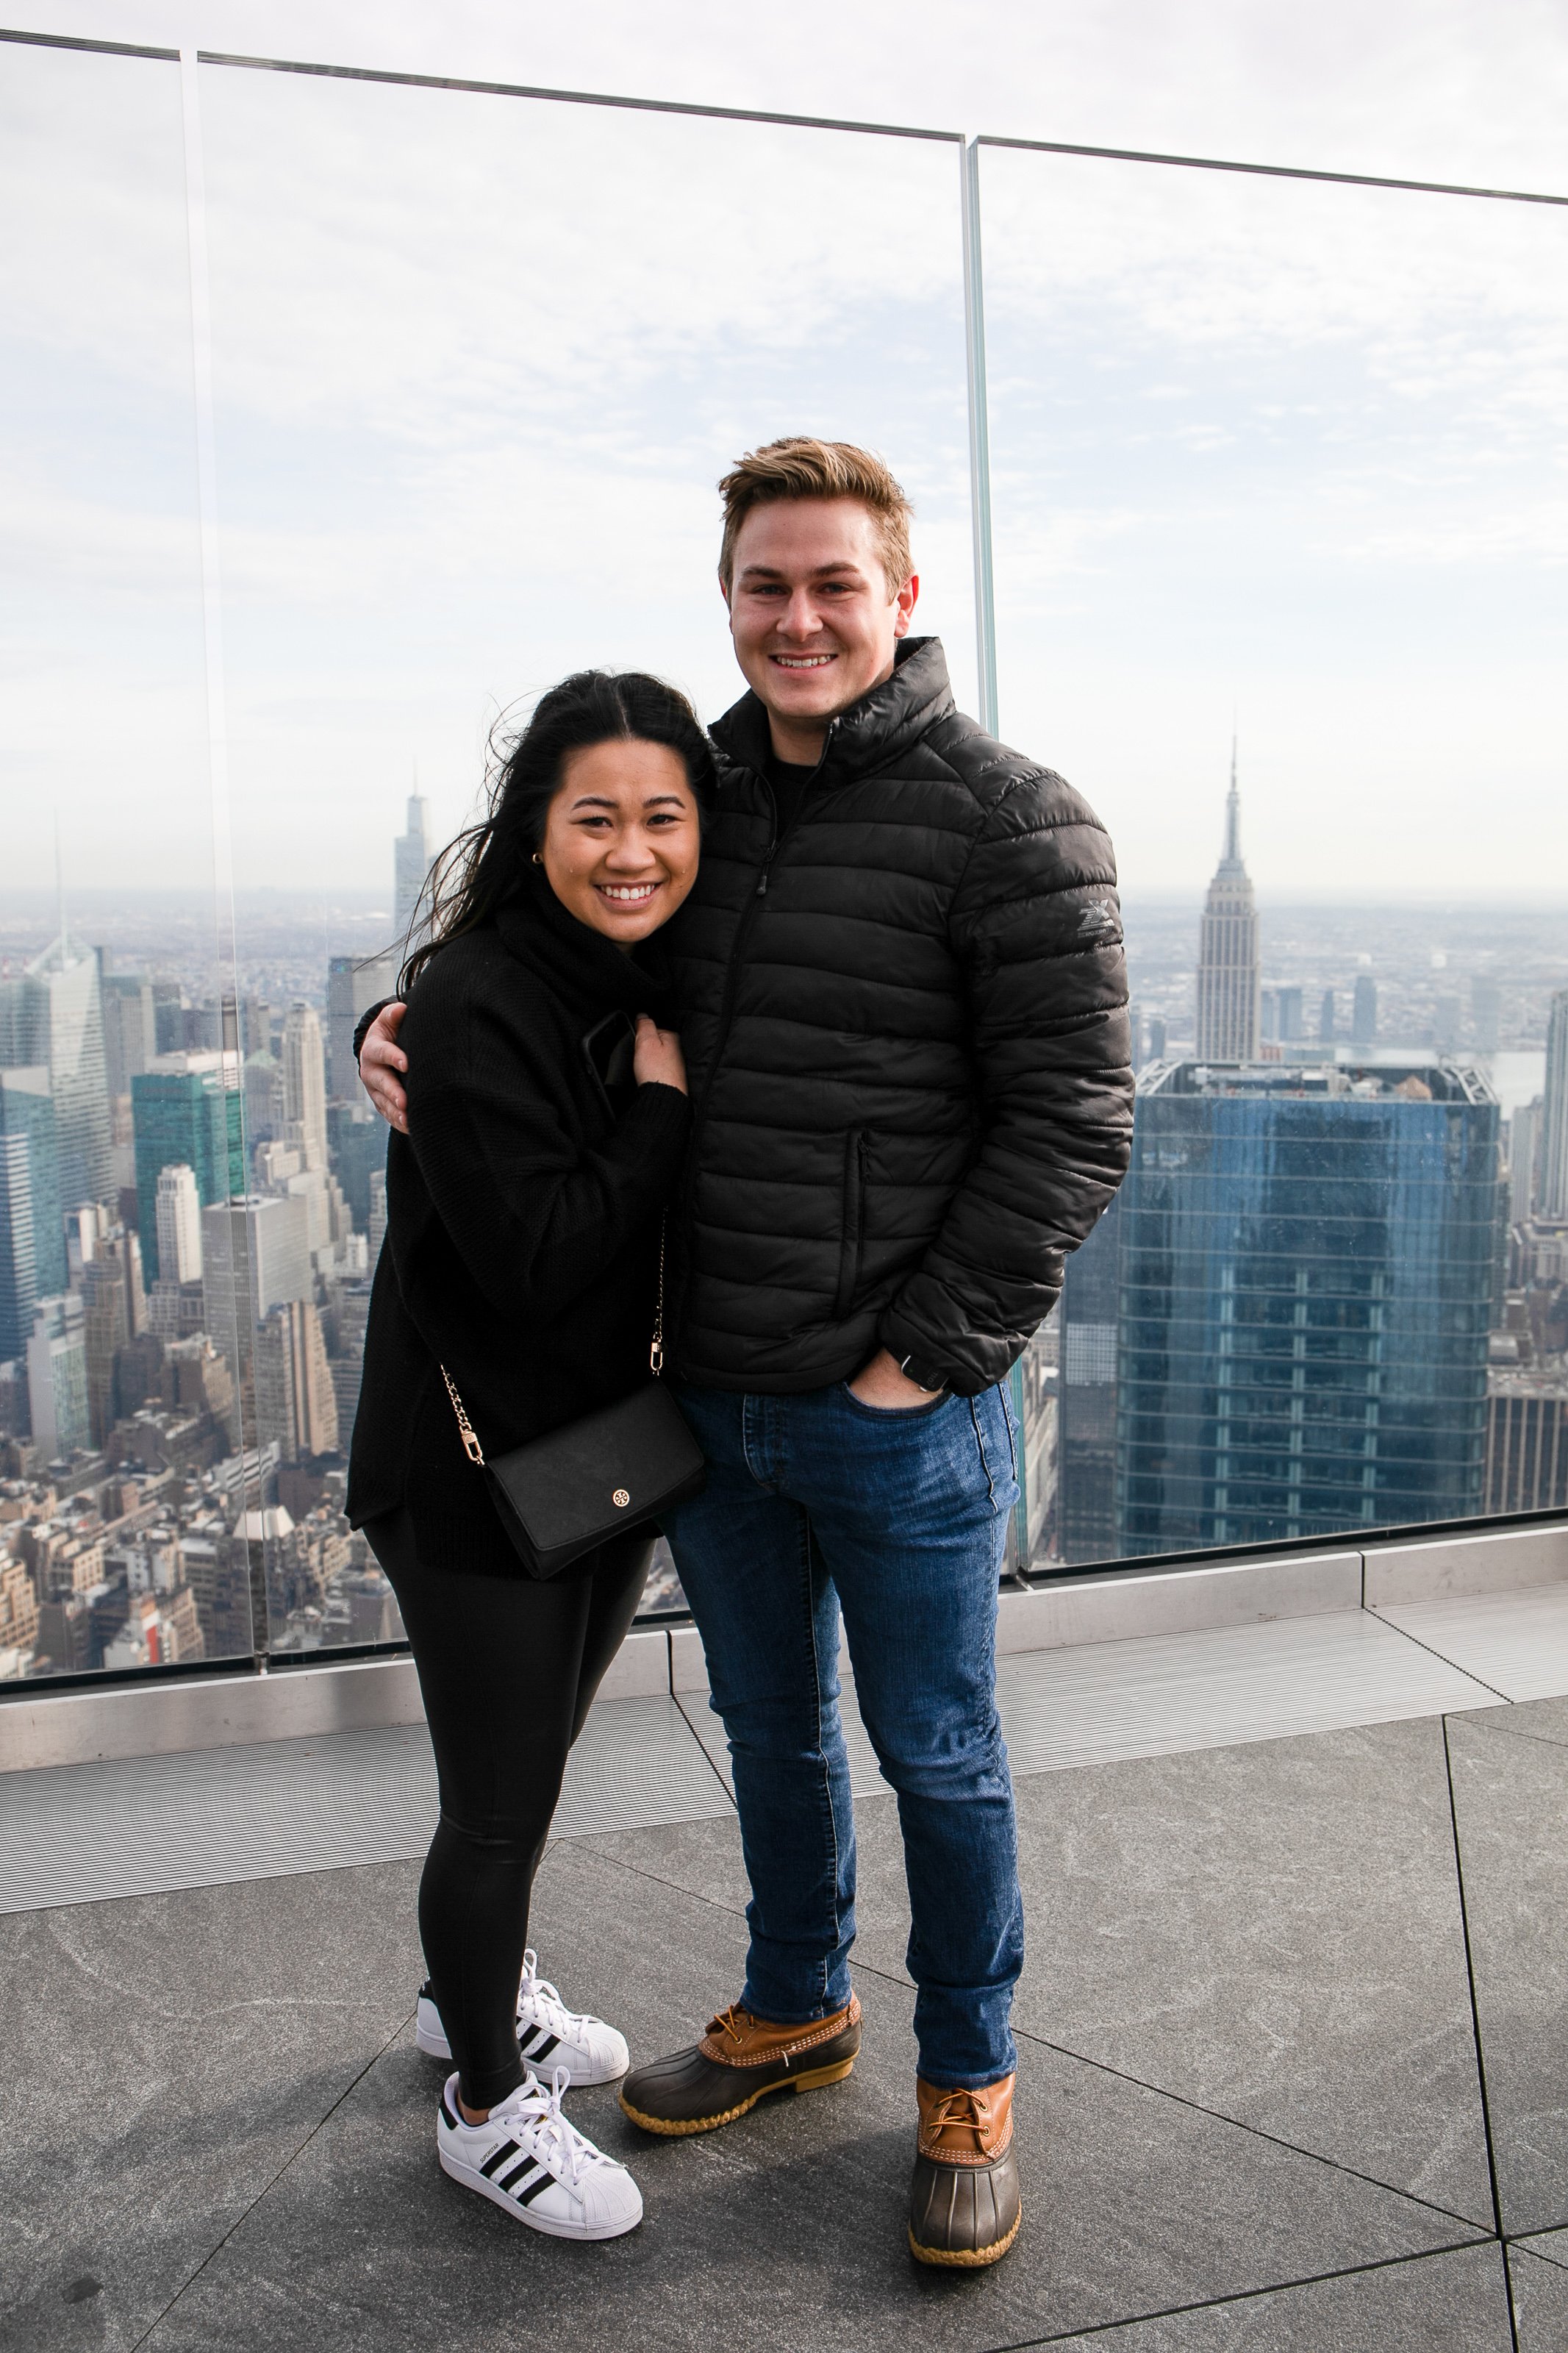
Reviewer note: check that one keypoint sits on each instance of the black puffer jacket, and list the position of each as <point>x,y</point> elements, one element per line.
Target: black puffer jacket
<point>906,1031</point>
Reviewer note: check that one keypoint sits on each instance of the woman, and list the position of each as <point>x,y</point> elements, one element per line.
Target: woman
<point>547,1121</point>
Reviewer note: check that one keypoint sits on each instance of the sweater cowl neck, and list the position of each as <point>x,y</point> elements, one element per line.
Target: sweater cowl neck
<point>589,972</point>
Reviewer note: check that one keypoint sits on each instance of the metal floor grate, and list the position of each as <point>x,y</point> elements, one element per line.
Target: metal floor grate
<point>77,1833</point>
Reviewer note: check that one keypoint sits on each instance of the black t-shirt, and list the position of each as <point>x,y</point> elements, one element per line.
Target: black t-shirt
<point>789,782</point>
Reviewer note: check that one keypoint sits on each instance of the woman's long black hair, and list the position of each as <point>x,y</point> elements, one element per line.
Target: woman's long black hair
<point>486,864</point>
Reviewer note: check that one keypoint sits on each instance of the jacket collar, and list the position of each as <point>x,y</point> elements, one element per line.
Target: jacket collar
<point>884,724</point>
<point>579,965</point>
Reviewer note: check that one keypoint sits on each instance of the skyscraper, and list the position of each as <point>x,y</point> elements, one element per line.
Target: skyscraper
<point>57,1377</point>
<point>185,1112</point>
<point>305,1085</point>
<point>296,1405</point>
<point>354,984</point>
<point>106,1328</point>
<point>1086,1449</point>
<point>179,1224</point>
<point>1227,954</point>
<point>1552,1197</point>
<point>1363,1011</point>
<point>1307,1275</point>
<point>411,863</point>
<point>52,1018</point>
<point>32,1231</point>
<point>1523,1147</point>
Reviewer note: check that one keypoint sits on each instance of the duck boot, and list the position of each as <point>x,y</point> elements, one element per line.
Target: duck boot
<point>964,2207</point>
<point>737,2062</point>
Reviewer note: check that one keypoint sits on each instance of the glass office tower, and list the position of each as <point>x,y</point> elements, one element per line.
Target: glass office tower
<point>1306,1279</point>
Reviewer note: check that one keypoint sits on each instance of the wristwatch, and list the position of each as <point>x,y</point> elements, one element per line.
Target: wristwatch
<point>921,1374</point>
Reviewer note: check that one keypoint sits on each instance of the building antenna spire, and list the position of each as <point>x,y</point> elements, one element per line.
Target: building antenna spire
<point>1233,811</point>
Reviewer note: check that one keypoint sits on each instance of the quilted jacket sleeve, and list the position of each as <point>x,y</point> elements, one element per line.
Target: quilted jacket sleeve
<point>1037,926</point>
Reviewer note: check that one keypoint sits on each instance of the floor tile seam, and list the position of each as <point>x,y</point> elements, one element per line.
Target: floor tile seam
<point>1475,2009</point>
<point>1515,1731</point>
<point>266,2191</point>
<point>707,1753</point>
<point>619,1862</point>
<point>1249,2295</point>
<point>1442,1655</point>
<point>1521,2238</point>
<point>1217,2115</point>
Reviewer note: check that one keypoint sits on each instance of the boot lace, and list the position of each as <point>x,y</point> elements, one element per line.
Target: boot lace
<point>967,2111</point>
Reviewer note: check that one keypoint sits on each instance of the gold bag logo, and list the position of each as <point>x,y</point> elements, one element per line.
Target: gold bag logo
<point>620,1499</point>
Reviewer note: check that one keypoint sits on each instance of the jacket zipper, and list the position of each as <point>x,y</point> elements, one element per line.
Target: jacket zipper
<point>727,1002</point>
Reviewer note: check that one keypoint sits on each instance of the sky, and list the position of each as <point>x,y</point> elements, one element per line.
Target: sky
<point>1279,458</point>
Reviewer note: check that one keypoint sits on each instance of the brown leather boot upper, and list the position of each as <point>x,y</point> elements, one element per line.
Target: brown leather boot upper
<point>736,2039</point>
<point>959,2127</point>
<point>739,2061</point>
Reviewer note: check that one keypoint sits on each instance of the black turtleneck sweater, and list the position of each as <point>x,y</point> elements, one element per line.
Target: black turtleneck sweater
<point>523,1211</point>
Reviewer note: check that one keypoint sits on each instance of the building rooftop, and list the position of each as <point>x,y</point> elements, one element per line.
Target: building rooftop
<point>1276,1876</point>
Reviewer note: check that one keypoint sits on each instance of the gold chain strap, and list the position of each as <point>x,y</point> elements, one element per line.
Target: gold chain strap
<point>466,1430</point>
<point>469,1435</point>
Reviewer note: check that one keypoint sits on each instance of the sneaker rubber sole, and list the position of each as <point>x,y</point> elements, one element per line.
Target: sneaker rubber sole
<point>471,2177</point>
<point>807,2080</point>
<point>969,2259</point>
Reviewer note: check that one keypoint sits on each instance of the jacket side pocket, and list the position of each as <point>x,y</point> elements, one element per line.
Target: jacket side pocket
<point>853,1222</point>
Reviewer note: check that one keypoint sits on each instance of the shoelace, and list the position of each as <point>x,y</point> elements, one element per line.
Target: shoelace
<point>727,2018</point>
<point>558,2137</point>
<point>535,1988</point>
<point>947,2111</point>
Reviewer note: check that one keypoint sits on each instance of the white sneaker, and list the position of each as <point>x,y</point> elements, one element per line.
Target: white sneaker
<point>547,2032</point>
<point>529,2159</point>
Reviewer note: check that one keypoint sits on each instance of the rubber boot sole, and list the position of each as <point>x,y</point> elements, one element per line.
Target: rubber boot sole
<point>681,2128</point>
<point>967,2259</point>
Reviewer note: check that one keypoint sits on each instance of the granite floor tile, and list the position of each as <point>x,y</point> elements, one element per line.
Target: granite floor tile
<point>164,2056</point>
<point>1533,1719</point>
<point>1550,2245</point>
<point>1511,1802</point>
<point>700,1858</point>
<point>1271,1930</point>
<point>786,2229</point>
<point>1539,2302</point>
<point>1453,2303</point>
<point>1274,1931</point>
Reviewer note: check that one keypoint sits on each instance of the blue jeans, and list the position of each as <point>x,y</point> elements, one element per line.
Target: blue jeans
<point>817,1502</point>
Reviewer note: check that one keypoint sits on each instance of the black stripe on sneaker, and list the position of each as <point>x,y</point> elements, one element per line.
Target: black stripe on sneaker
<point>446,2111</point>
<point>518,2171</point>
<point>543,2050</point>
<point>526,2197</point>
<point>526,2038</point>
<point>496,2159</point>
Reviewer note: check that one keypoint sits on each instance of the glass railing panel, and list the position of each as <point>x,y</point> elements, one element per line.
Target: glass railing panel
<point>122,1462</point>
<point>1278,534</point>
<point>480,363</point>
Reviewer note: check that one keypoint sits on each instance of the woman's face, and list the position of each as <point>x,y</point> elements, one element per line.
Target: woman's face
<point>621,843</point>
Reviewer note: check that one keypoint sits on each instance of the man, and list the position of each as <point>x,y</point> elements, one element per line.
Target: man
<point>904,1020</point>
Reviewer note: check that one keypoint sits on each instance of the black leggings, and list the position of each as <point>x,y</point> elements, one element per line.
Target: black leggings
<point>508,1667</point>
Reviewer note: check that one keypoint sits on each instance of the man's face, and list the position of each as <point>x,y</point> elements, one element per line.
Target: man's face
<point>814,620</point>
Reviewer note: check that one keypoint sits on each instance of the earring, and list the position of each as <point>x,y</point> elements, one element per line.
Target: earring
<point>539,857</point>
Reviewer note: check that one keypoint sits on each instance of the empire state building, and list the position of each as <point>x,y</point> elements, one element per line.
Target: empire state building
<point>1227,956</point>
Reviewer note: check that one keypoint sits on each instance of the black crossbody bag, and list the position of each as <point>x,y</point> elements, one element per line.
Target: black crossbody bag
<point>563,1494</point>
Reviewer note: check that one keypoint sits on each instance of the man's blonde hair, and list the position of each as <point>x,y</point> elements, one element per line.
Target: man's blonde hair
<point>803,467</point>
